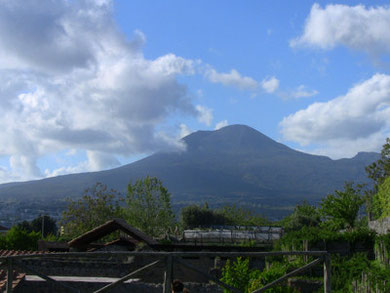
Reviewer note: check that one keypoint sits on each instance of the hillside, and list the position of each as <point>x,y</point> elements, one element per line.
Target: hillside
<point>236,164</point>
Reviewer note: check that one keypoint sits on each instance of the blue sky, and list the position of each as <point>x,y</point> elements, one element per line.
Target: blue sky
<point>90,85</point>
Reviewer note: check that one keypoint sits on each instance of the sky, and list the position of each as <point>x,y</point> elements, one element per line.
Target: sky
<point>88,85</point>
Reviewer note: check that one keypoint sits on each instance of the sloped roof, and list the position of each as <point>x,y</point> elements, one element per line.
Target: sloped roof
<point>107,228</point>
<point>17,278</point>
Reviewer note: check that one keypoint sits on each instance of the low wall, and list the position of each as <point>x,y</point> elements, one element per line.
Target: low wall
<point>134,287</point>
<point>381,226</point>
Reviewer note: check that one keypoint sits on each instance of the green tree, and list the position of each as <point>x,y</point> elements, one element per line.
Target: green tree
<point>381,200</point>
<point>19,239</point>
<point>304,215</point>
<point>340,210</point>
<point>97,206</point>
<point>378,172</point>
<point>149,207</point>
<point>49,225</point>
<point>195,216</point>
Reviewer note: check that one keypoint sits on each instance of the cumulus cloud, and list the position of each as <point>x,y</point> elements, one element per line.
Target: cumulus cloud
<point>233,78</point>
<point>184,130</point>
<point>221,124</point>
<point>71,80</point>
<point>356,117</point>
<point>205,115</point>
<point>270,85</point>
<point>356,27</point>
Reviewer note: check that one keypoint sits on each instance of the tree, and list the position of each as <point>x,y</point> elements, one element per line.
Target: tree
<point>19,239</point>
<point>380,170</point>
<point>49,225</point>
<point>97,206</point>
<point>194,216</point>
<point>340,210</point>
<point>304,215</point>
<point>381,200</point>
<point>149,207</point>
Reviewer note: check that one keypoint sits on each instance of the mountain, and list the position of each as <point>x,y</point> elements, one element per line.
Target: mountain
<point>235,164</point>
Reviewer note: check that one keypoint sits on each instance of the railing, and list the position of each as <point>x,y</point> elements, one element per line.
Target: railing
<point>169,258</point>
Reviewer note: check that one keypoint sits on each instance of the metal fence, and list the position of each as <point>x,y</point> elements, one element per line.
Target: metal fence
<point>169,258</point>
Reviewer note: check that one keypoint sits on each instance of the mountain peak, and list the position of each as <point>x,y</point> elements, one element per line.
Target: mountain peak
<point>235,137</point>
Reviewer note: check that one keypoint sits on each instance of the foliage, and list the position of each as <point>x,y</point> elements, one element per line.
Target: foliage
<point>381,200</point>
<point>97,206</point>
<point>274,272</point>
<point>304,215</point>
<point>380,170</point>
<point>196,216</point>
<point>19,239</point>
<point>238,274</point>
<point>340,210</point>
<point>49,225</point>
<point>293,240</point>
<point>149,207</point>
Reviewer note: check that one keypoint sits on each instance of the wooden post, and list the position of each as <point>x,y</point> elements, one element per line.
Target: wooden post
<point>327,273</point>
<point>10,275</point>
<point>168,275</point>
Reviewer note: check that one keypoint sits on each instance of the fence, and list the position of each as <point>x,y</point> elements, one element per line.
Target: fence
<point>169,258</point>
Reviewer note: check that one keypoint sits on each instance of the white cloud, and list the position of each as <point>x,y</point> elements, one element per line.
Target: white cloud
<point>184,130</point>
<point>300,92</point>
<point>233,78</point>
<point>353,119</point>
<point>221,124</point>
<point>303,92</point>
<point>270,85</point>
<point>356,27</point>
<point>70,80</point>
<point>205,115</point>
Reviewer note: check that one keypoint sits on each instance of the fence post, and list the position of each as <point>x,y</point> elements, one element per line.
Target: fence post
<point>10,275</point>
<point>327,273</point>
<point>168,274</point>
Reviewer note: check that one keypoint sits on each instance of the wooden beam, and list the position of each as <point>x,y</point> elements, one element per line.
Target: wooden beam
<point>327,273</point>
<point>10,275</point>
<point>168,275</point>
<point>207,276</point>
<point>125,278</point>
<point>288,275</point>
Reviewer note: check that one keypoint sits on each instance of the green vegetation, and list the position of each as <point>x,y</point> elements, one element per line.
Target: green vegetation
<point>195,216</point>
<point>97,206</point>
<point>340,210</point>
<point>149,207</point>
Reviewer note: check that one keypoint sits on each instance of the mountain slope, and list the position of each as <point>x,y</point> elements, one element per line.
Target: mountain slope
<point>234,164</point>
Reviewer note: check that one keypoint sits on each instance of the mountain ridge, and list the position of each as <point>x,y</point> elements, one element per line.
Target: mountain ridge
<point>235,164</point>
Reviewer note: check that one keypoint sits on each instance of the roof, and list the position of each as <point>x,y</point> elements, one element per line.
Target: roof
<point>17,278</point>
<point>2,228</point>
<point>108,228</point>
<point>5,252</point>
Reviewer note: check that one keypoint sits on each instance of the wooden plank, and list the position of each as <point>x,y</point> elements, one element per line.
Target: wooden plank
<point>10,275</point>
<point>288,275</point>
<point>327,274</point>
<point>191,267</point>
<point>127,277</point>
<point>47,278</point>
<point>168,275</point>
